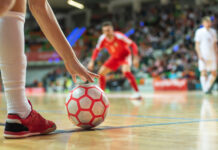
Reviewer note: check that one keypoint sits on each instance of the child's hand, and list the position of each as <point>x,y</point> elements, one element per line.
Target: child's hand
<point>75,68</point>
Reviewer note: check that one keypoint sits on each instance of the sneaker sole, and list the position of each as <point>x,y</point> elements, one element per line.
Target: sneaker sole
<point>12,135</point>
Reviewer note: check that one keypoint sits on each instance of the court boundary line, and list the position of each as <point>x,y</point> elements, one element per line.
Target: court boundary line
<point>130,126</point>
<point>152,117</point>
<point>124,115</point>
<point>133,126</point>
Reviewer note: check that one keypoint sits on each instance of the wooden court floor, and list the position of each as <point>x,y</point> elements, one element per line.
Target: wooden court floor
<point>162,121</point>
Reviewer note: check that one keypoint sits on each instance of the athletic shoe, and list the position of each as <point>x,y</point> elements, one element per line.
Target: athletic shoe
<point>136,96</point>
<point>209,92</point>
<point>34,124</point>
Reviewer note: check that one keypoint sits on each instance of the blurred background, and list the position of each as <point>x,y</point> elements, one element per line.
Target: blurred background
<point>162,29</point>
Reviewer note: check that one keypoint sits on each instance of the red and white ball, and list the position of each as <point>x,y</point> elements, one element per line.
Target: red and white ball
<point>87,106</point>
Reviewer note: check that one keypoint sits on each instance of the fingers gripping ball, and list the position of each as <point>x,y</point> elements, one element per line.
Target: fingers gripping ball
<point>87,106</point>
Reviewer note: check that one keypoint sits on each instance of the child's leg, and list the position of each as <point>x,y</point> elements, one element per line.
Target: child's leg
<point>13,62</point>
<point>5,6</point>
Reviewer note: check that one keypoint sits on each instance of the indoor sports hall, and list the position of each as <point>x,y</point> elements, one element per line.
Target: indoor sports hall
<point>154,84</point>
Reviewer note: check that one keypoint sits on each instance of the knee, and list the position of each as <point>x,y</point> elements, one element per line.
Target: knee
<point>203,73</point>
<point>5,5</point>
<point>214,73</point>
<point>101,73</point>
<point>127,74</point>
<point>126,69</point>
<point>124,73</point>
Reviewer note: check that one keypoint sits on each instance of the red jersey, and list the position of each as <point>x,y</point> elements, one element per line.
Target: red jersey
<point>119,47</point>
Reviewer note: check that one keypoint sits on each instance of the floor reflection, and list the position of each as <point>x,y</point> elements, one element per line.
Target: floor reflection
<point>207,130</point>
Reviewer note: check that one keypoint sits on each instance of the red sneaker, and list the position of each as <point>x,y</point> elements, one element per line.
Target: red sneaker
<point>34,124</point>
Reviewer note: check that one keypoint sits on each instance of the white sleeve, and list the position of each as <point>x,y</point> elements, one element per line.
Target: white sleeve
<point>123,38</point>
<point>100,41</point>
<point>197,36</point>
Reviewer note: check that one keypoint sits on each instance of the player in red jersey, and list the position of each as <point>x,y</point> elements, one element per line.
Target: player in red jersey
<point>118,46</point>
<point>22,120</point>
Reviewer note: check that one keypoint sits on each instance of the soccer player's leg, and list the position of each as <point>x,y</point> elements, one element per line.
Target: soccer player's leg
<point>211,79</point>
<point>13,61</point>
<point>126,70</point>
<point>5,6</point>
<point>112,64</point>
<point>22,120</point>
<point>203,75</point>
<point>102,80</point>
<point>203,80</point>
<point>211,67</point>
<point>129,75</point>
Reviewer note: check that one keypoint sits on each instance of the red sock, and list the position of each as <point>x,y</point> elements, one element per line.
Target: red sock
<point>132,80</point>
<point>102,82</point>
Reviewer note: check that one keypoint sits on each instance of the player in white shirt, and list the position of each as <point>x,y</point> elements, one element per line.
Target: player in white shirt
<point>206,47</point>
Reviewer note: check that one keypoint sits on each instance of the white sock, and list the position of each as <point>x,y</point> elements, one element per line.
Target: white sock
<point>210,82</point>
<point>13,63</point>
<point>203,83</point>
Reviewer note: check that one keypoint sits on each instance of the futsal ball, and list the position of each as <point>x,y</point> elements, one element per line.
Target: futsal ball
<point>87,106</point>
